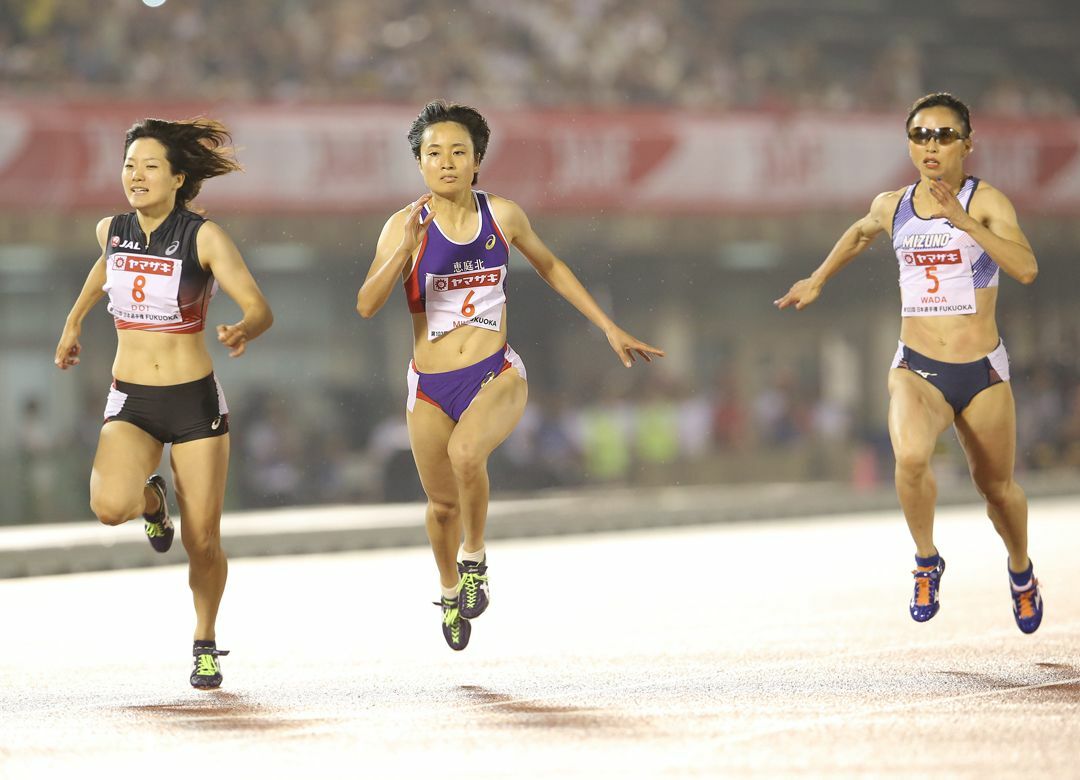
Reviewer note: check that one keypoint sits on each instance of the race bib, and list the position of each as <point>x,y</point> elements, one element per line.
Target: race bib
<point>471,298</point>
<point>935,283</point>
<point>143,289</point>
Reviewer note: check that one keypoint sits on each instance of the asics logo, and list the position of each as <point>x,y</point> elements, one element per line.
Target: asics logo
<point>173,247</point>
<point>215,424</point>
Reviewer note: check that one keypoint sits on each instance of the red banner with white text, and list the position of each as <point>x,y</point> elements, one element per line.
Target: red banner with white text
<point>340,159</point>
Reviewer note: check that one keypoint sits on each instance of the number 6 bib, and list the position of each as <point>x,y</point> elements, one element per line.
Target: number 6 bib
<point>471,298</point>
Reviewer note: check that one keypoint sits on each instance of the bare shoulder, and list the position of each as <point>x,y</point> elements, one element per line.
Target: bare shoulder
<point>880,216</point>
<point>987,196</point>
<point>210,235</point>
<point>500,200</point>
<point>214,247</point>
<point>394,226</point>
<point>884,203</point>
<point>509,214</point>
<point>102,231</point>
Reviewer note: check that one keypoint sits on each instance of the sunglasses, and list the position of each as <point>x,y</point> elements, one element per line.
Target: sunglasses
<point>920,136</point>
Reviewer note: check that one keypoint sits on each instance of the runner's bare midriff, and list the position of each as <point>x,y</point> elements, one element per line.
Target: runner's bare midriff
<point>956,339</point>
<point>148,358</point>
<point>459,348</point>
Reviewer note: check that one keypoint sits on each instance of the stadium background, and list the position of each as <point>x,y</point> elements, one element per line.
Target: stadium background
<point>690,160</point>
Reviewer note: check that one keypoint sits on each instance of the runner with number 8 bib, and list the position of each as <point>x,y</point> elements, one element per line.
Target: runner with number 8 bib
<point>160,264</point>
<point>466,385</point>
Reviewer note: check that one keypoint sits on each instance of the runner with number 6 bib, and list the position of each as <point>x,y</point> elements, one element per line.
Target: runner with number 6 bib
<point>160,264</point>
<point>952,234</point>
<point>466,385</point>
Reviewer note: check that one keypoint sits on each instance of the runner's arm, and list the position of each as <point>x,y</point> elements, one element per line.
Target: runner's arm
<point>997,230</point>
<point>400,237</point>
<point>561,279</point>
<point>219,254</point>
<point>851,244</point>
<point>68,348</point>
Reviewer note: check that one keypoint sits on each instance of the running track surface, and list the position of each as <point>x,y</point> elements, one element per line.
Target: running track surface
<point>765,649</point>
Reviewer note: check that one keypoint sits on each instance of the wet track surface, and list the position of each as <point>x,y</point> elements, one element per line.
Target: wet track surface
<point>769,649</point>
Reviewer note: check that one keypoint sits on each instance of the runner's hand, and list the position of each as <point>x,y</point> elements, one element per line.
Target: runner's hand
<point>802,294</point>
<point>949,207</point>
<point>68,349</point>
<point>416,228</point>
<point>233,336</point>
<point>626,345</point>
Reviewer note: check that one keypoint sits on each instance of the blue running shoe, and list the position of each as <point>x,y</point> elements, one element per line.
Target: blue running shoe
<point>473,593</point>
<point>924,602</point>
<point>1027,606</point>
<point>207,672</point>
<point>456,629</point>
<point>158,526</point>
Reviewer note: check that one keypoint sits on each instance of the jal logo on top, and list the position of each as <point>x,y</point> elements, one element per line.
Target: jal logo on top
<point>116,243</point>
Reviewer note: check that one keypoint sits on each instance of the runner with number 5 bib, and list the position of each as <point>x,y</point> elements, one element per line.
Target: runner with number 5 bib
<point>466,385</point>
<point>952,234</point>
<point>160,264</point>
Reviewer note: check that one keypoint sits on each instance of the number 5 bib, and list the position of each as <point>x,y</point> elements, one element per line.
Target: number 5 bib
<point>935,283</point>
<point>941,266</point>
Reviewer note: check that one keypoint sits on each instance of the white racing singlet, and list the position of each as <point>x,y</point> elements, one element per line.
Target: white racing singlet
<point>941,266</point>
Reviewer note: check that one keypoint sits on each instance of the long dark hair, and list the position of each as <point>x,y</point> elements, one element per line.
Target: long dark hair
<point>441,111</point>
<point>942,99</point>
<point>198,148</point>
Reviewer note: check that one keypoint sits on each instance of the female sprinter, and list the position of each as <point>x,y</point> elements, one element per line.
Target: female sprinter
<point>159,265</point>
<point>451,247</point>
<point>951,233</point>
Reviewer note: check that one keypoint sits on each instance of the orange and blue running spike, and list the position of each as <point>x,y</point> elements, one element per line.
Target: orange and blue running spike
<point>924,602</point>
<point>1027,602</point>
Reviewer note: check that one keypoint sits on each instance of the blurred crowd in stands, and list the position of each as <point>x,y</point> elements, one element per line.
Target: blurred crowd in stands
<point>752,54</point>
<point>693,54</point>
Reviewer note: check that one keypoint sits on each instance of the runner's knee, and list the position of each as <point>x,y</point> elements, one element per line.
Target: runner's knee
<point>995,491</point>
<point>443,511</point>
<point>202,546</point>
<point>466,459</point>
<point>112,509</point>
<point>912,463</point>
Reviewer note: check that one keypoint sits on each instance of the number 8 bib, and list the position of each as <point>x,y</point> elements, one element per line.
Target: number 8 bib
<point>143,288</point>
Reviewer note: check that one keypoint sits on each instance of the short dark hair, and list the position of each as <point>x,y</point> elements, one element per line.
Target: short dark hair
<point>947,100</point>
<point>442,111</point>
<point>198,148</point>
